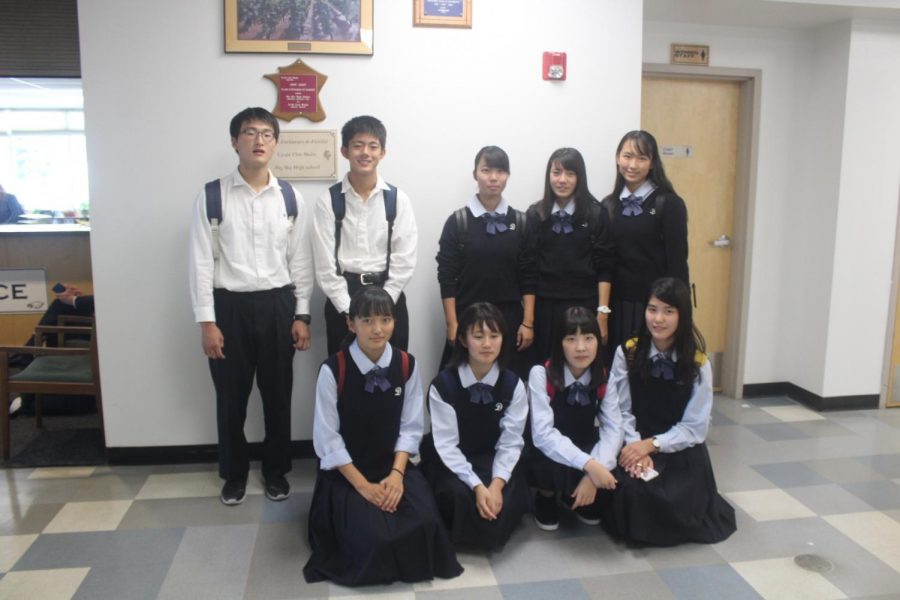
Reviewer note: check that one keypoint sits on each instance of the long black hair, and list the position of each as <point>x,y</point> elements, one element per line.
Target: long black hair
<point>576,319</point>
<point>688,339</point>
<point>646,145</point>
<point>569,159</point>
<point>476,316</point>
<point>368,301</point>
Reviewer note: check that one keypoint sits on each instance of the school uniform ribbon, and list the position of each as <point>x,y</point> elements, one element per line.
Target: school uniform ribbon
<point>577,394</point>
<point>662,366</point>
<point>494,223</point>
<point>562,222</point>
<point>480,393</point>
<point>377,377</point>
<point>631,206</point>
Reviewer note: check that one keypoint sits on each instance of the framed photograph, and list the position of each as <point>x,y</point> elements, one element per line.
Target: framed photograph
<point>442,13</point>
<point>302,26</point>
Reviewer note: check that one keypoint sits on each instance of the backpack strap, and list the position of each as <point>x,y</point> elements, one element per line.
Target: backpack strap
<point>390,213</point>
<point>339,208</point>
<point>462,227</point>
<point>290,207</point>
<point>342,371</point>
<point>521,220</point>
<point>551,389</point>
<point>214,213</point>
<point>404,365</point>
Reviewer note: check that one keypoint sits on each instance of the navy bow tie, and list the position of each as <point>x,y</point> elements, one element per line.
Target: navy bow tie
<point>662,366</point>
<point>377,377</point>
<point>480,393</point>
<point>494,223</point>
<point>632,206</point>
<point>562,222</point>
<point>578,394</point>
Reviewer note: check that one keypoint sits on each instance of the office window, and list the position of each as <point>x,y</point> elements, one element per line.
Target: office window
<point>43,159</point>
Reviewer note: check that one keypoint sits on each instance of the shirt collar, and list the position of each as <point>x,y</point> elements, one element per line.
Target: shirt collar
<point>467,377</point>
<point>478,209</point>
<point>569,379</point>
<point>362,361</point>
<point>237,180</point>
<point>348,191</point>
<point>646,188</point>
<point>569,209</point>
<point>673,353</point>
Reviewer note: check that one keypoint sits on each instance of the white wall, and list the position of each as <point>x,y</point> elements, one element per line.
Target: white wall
<point>159,93</point>
<point>867,212</point>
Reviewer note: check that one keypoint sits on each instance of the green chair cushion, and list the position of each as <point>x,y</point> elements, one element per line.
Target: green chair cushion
<point>48,369</point>
<point>78,343</point>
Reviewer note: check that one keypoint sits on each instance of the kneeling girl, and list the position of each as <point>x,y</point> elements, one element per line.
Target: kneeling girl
<point>373,519</point>
<point>574,458</point>
<point>478,414</point>
<point>662,381</point>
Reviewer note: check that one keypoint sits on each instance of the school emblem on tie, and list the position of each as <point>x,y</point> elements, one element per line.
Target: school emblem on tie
<point>498,407</point>
<point>398,390</point>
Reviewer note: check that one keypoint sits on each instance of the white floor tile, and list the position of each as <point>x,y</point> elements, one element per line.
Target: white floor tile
<point>103,515</point>
<point>51,584</point>
<point>770,505</point>
<point>782,579</point>
<point>12,547</point>
<point>61,472</point>
<point>790,414</point>
<point>874,531</point>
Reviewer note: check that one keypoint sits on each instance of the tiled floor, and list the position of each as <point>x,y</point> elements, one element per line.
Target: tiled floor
<point>802,483</point>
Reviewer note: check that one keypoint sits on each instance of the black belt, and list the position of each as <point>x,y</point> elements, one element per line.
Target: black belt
<point>356,280</point>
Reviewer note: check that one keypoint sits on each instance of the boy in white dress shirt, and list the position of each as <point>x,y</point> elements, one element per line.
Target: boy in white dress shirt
<point>372,243</point>
<point>251,277</point>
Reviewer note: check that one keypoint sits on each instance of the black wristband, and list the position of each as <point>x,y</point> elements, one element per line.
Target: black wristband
<point>305,318</point>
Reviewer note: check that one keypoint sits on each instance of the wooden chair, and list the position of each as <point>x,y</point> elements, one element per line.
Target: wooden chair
<point>60,370</point>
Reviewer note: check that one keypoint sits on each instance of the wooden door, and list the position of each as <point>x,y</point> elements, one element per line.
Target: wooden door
<point>695,122</point>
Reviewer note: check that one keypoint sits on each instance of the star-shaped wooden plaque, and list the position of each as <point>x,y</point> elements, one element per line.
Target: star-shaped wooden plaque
<point>298,86</point>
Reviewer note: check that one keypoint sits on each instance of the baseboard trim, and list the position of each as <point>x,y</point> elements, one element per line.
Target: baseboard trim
<point>156,455</point>
<point>815,401</point>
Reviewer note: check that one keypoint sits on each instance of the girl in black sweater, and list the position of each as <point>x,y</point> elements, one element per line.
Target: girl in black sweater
<point>564,229</point>
<point>483,257</point>
<point>645,226</point>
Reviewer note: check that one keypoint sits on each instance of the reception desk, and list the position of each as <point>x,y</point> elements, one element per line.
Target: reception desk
<point>63,250</point>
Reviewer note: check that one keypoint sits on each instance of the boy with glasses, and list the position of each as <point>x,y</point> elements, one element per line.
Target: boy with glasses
<point>251,276</point>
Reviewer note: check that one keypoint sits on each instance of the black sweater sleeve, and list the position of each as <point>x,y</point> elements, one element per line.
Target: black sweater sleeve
<point>527,267</point>
<point>449,258</point>
<point>604,251</point>
<point>675,237</point>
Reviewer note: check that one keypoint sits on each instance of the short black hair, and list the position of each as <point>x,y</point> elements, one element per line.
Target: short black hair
<point>494,157</point>
<point>363,124</point>
<point>575,319</point>
<point>476,316</point>
<point>253,114</point>
<point>371,301</point>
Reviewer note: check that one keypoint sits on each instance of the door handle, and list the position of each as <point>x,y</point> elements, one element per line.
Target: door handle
<point>723,241</point>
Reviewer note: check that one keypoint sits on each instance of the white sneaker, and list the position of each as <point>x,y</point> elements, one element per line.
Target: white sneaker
<point>15,405</point>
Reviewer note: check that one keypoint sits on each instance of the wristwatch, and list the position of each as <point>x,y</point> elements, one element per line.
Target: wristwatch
<point>604,309</point>
<point>655,443</point>
<point>305,318</point>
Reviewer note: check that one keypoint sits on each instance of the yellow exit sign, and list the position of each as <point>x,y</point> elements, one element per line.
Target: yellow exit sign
<point>688,54</point>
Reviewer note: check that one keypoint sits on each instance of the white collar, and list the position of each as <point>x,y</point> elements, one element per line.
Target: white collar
<point>362,361</point>
<point>672,353</point>
<point>478,209</point>
<point>467,377</point>
<point>569,379</point>
<point>569,209</point>
<point>643,191</point>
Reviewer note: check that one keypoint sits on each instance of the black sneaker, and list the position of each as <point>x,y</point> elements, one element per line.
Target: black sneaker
<point>277,488</point>
<point>546,515</point>
<point>234,491</point>
<point>589,515</point>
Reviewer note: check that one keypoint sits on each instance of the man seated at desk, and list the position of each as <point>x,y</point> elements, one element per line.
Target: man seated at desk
<point>10,209</point>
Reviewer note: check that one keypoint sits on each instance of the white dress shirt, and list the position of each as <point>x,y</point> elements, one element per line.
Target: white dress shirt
<point>445,429</point>
<point>327,440</point>
<point>363,242</point>
<point>478,208</point>
<point>558,447</point>
<point>569,208</point>
<point>259,249</point>
<point>694,424</point>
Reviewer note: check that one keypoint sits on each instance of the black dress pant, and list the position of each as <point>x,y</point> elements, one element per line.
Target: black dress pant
<point>257,331</point>
<point>336,326</point>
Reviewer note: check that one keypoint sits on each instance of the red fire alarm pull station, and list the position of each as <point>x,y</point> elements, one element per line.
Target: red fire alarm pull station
<point>554,66</point>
